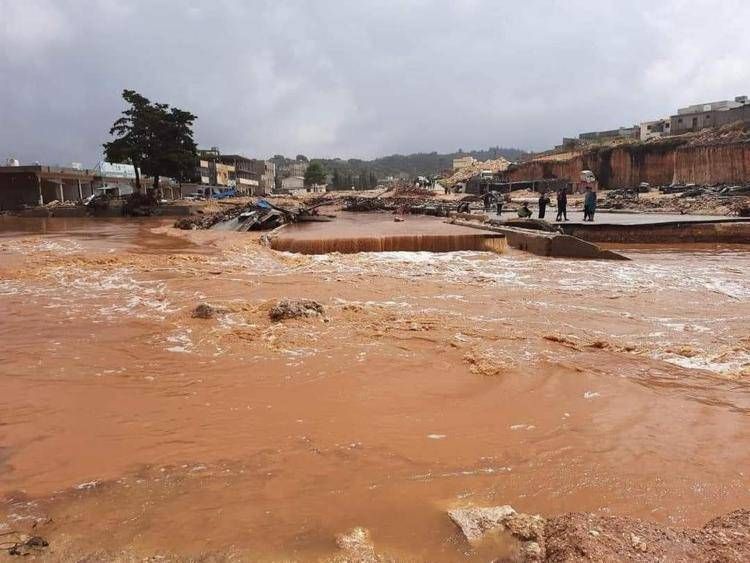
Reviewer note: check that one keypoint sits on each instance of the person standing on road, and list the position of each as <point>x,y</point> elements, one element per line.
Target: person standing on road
<point>488,199</point>
<point>589,204</point>
<point>562,204</point>
<point>543,201</point>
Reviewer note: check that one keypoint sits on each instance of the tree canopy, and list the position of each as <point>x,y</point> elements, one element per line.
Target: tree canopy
<point>155,138</point>
<point>315,174</point>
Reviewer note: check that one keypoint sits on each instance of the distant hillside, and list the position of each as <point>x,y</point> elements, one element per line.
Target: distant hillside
<point>412,165</point>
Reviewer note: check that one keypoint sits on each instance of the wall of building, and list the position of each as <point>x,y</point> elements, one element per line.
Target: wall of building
<point>292,183</point>
<point>18,189</point>
<point>685,123</point>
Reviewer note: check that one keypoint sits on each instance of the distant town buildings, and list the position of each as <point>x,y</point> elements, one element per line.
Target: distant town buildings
<point>688,119</point>
<point>713,114</point>
<point>249,176</point>
<point>297,168</point>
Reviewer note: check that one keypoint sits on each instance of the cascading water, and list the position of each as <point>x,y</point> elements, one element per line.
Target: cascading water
<point>379,233</point>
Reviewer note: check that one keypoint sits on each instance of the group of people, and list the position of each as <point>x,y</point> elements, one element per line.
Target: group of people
<point>562,205</point>
<point>494,199</point>
<point>589,205</point>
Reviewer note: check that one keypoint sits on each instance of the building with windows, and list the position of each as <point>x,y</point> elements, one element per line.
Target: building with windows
<point>656,129</point>
<point>713,114</point>
<point>245,178</point>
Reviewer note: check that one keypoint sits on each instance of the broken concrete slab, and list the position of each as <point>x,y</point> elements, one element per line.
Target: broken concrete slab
<point>544,243</point>
<point>719,231</point>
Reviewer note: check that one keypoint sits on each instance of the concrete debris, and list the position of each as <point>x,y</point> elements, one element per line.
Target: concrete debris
<point>295,308</point>
<point>528,223</point>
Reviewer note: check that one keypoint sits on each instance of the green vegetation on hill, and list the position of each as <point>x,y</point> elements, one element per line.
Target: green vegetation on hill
<point>363,173</point>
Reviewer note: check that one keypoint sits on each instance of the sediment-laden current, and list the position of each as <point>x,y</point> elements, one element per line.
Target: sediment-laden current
<point>128,426</point>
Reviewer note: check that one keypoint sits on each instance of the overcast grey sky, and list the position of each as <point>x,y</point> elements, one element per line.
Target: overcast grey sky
<point>360,78</point>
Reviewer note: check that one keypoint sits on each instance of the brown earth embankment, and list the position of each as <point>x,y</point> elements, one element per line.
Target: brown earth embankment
<point>672,161</point>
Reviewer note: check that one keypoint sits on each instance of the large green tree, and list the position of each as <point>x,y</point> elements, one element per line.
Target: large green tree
<point>156,139</point>
<point>315,174</point>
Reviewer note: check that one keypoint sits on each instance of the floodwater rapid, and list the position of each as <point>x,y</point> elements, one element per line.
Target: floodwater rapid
<point>129,428</point>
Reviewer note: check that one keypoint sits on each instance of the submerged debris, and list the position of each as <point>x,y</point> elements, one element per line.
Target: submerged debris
<point>206,311</point>
<point>295,308</point>
<point>24,545</point>
<point>261,215</point>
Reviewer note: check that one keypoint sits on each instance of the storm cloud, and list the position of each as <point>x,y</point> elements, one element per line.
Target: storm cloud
<point>360,78</point>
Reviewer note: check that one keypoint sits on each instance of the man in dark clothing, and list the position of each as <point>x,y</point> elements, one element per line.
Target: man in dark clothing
<point>562,204</point>
<point>499,205</point>
<point>543,201</point>
<point>488,197</point>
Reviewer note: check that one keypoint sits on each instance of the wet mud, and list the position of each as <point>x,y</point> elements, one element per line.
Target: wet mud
<point>131,428</point>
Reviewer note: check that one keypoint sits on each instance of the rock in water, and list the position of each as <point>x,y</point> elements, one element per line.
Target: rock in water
<point>357,547</point>
<point>206,311</point>
<point>475,521</point>
<point>295,308</point>
<point>526,529</point>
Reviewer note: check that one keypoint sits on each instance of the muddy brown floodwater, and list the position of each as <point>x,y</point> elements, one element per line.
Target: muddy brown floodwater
<point>128,428</point>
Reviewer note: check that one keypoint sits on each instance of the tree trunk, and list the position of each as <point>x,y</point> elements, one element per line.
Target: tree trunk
<point>137,178</point>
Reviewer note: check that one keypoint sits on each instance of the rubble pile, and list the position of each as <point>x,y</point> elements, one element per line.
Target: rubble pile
<point>731,133</point>
<point>590,537</point>
<point>411,190</point>
<point>404,205</point>
<point>257,216</point>
<point>208,220</point>
<point>465,174</point>
<point>295,309</point>
<point>683,199</point>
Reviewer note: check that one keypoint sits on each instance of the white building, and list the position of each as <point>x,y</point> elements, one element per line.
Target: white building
<point>292,183</point>
<point>656,129</point>
<point>113,178</point>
